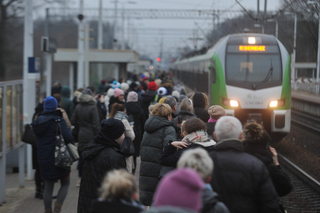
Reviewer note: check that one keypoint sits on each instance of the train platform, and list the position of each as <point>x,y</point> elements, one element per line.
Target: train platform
<point>21,200</point>
<point>304,96</point>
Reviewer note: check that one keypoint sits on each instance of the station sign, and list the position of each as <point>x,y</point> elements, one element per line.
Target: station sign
<point>48,44</point>
<point>33,65</point>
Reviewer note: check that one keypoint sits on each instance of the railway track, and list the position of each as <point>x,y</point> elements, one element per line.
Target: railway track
<point>307,121</point>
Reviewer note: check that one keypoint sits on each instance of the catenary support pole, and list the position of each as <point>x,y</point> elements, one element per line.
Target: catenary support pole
<point>80,74</point>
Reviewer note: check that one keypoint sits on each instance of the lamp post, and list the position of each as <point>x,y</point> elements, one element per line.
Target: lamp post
<point>276,21</point>
<point>259,25</point>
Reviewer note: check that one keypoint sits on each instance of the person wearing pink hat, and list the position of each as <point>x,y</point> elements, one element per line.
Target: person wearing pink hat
<point>118,97</point>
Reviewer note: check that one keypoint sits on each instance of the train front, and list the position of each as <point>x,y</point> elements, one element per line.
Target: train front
<point>257,77</point>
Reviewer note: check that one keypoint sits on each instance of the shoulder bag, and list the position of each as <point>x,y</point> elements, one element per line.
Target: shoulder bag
<point>28,135</point>
<point>127,147</point>
<point>62,156</point>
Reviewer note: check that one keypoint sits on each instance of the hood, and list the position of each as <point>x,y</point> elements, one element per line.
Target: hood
<point>65,92</point>
<point>148,96</point>
<point>209,198</point>
<point>87,99</point>
<point>99,143</point>
<point>183,113</point>
<point>133,108</point>
<point>120,115</point>
<point>171,209</point>
<point>155,122</point>
<point>43,122</point>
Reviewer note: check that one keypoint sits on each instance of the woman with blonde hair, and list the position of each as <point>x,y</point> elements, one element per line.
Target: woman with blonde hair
<point>159,130</point>
<point>119,193</point>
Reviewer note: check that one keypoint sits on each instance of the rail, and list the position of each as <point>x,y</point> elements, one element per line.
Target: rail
<point>302,175</point>
<point>307,121</point>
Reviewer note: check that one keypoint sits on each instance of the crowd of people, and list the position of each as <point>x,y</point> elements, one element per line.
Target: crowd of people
<point>192,156</point>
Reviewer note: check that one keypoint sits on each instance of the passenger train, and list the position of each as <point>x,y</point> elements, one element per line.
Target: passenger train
<point>248,75</point>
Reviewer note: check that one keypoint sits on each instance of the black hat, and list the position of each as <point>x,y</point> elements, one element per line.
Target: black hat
<point>113,128</point>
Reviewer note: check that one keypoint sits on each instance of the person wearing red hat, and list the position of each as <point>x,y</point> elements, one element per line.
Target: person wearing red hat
<point>148,97</point>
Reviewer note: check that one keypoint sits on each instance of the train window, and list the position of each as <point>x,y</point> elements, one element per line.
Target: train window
<point>260,70</point>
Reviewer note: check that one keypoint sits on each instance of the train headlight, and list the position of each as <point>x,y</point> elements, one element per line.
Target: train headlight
<point>277,103</point>
<point>251,40</point>
<point>234,103</point>
<point>273,104</point>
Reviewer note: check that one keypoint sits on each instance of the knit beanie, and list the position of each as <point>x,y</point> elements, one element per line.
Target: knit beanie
<point>152,86</point>
<point>216,112</point>
<point>132,97</point>
<point>87,91</point>
<point>176,94</point>
<point>162,91</point>
<point>180,188</point>
<point>50,104</point>
<point>115,84</point>
<point>110,92</point>
<point>124,86</point>
<point>112,127</point>
<point>118,92</point>
<point>162,100</point>
<point>158,82</point>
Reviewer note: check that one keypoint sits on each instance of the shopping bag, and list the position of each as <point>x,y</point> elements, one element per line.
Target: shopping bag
<point>73,152</point>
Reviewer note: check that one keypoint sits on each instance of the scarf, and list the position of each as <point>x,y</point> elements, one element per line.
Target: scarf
<point>211,120</point>
<point>199,137</point>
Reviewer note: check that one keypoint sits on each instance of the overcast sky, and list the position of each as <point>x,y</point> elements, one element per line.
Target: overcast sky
<point>148,44</point>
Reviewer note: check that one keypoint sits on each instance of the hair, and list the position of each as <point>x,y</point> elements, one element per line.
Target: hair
<point>255,133</point>
<point>115,108</point>
<point>193,125</point>
<point>162,110</point>
<point>118,184</point>
<point>199,160</point>
<point>57,96</point>
<point>186,105</point>
<point>206,101</point>
<point>228,127</point>
<point>92,88</point>
<point>171,101</point>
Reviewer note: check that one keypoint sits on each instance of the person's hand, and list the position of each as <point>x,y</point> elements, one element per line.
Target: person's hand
<point>102,98</point>
<point>274,155</point>
<point>179,144</point>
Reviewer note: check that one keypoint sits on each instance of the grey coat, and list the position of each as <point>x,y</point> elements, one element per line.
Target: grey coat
<point>158,132</point>
<point>86,116</point>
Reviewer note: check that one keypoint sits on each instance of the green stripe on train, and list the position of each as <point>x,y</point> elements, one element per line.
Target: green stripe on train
<point>286,86</point>
<point>218,89</point>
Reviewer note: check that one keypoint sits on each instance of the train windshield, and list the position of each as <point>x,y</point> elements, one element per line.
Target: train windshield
<point>253,70</point>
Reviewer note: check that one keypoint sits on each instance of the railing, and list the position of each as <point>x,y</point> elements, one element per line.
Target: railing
<point>11,119</point>
<point>305,85</point>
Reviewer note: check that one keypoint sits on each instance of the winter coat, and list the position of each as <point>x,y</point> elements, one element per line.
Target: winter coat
<point>116,206</point>
<point>102,110</point>
<point>86,116</point>
<point>65,117</point>
<point>134,109</point>
<point>158,132</point>
<point>66,103</point>
<point>167,209</point>
<point>211,203</point>
<point>101,155</point>
<point>146,99</point>
<point>38,111</point>
<point>202,114</point>
<point>210,128</point>
<point>241,180</point>
<point>110,93</point>
<point>45,128</point>
<point>280,179</point>
<point>170,155</point>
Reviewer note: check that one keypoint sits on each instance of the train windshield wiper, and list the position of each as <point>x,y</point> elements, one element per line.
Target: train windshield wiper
<point>269,74</point>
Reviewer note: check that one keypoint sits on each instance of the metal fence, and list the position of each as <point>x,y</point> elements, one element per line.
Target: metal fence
<point>305,85</point>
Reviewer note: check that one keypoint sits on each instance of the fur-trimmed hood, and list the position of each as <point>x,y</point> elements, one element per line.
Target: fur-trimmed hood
<point>87,99</point>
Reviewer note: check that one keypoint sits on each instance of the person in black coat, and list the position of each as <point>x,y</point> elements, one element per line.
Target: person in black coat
<point>101,155</point>
<point>45,129</point>
<point>215,113</point>
<point>200,104</point>
<point>119,193</point>
<point>257,141</point>
<point>147,98</point>
<point>134,110</point>
<point>242,181</point>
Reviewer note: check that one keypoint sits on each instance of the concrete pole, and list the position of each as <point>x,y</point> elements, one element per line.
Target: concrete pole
<point>27,52</point>
<point>87,48</point>
<point>258,8</point>
<point>71,77</point>
<point>115,22</point>
<point>265,9</point>
<point>100,29</point>
<point>122,33</point>
<point>80,76</point>
<point>318,59</point>
<point>277,28</point>
<point>48,68</point>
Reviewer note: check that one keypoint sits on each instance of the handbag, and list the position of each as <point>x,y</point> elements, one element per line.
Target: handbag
<point>62,156</point>
<point>127,147</point>
<point>73,152</point>
<point>28,135</point>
